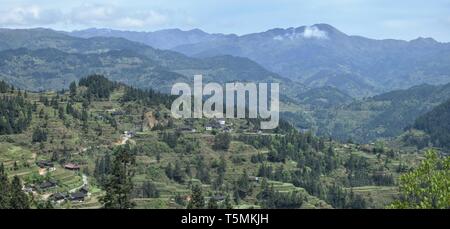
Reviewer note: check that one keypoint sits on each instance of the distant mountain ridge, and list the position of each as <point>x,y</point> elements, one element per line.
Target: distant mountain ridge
<point>42,59</point>
<point>321,55</point>
<point>381,116</point>
<point>161,39</point>
<point>317,55</point>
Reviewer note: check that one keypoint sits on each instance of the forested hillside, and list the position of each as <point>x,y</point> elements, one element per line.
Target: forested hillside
<point>383,116</point>
<point>72,153</point>
<point>436,123</point>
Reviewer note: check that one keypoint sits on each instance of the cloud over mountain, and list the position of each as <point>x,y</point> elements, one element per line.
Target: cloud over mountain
<point>314,32</point>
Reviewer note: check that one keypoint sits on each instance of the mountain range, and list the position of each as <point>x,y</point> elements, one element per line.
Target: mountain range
<point>317,55</point>
<point>324,73</point>
<point>42,59</point>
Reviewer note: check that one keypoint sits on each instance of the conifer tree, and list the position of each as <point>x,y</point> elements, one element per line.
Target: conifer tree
<point>119,183</point>
<point>4,189</point>
<point>197,200</point>
<point>19,199</point>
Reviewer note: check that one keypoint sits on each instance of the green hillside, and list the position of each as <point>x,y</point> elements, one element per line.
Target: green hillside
<point>98,123</point>
<point>436,123</point>
<point>384,116</point>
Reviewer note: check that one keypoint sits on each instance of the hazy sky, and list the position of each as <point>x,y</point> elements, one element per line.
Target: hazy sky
<point>401,19</point>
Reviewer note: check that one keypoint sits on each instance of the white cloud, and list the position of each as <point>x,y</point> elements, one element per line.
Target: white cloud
<point>278,38</point>
<point>314,32</point>
<point>151,18</point>
<point>85,15</point>
<point>309,33</point>
<point>28,16</point>
<point>88,13</point>
<point>109,15</point>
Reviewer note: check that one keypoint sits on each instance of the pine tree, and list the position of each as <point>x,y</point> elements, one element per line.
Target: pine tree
<point>4,189</point>
<point>149,190</point>
<point>197,200</point>
<point>19,199</point>
<point>73,89</point>
<point>169,171</point>
<point>243,187</point>
<point>119,183</point>
<point>222,141</point>
<point>227,203</point>
<point>212,203</point>
<point>178,174</point>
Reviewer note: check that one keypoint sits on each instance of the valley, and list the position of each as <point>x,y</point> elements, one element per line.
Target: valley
<point>85,121</point>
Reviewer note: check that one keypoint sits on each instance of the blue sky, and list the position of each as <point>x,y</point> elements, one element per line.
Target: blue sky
<point>400,19</point>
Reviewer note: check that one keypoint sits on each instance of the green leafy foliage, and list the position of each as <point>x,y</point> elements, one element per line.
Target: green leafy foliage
<point>427,186</point>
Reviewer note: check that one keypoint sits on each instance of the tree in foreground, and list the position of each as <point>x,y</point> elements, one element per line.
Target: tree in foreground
<point>427,186</point>
<point>11,194</point>
<point>119,183</point>
<point>197,200</point>
<point>19,199</point>
<point>4,188</point>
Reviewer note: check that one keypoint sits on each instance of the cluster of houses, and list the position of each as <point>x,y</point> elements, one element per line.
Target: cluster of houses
<point>215,124</point>
<point>47,184</point>
<point>77,196</point>
<point>59,197</point>
<point>218,124</point>
<point>51,166</point>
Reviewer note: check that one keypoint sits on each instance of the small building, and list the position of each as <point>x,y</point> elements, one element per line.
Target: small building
<point>227,129</point>
<point>221,122</point>
<point>218,198</point>
<point>212,125</point>
<point>84,190</point>
<point>187,129</point>
<point>77,196</point>
<point>253,179</point>
<point>45,164</point>
<point>72,166</point>
<point>58,197</point>
<point>129,134</point>
<point>28,189</point>
<point>47,184</point>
